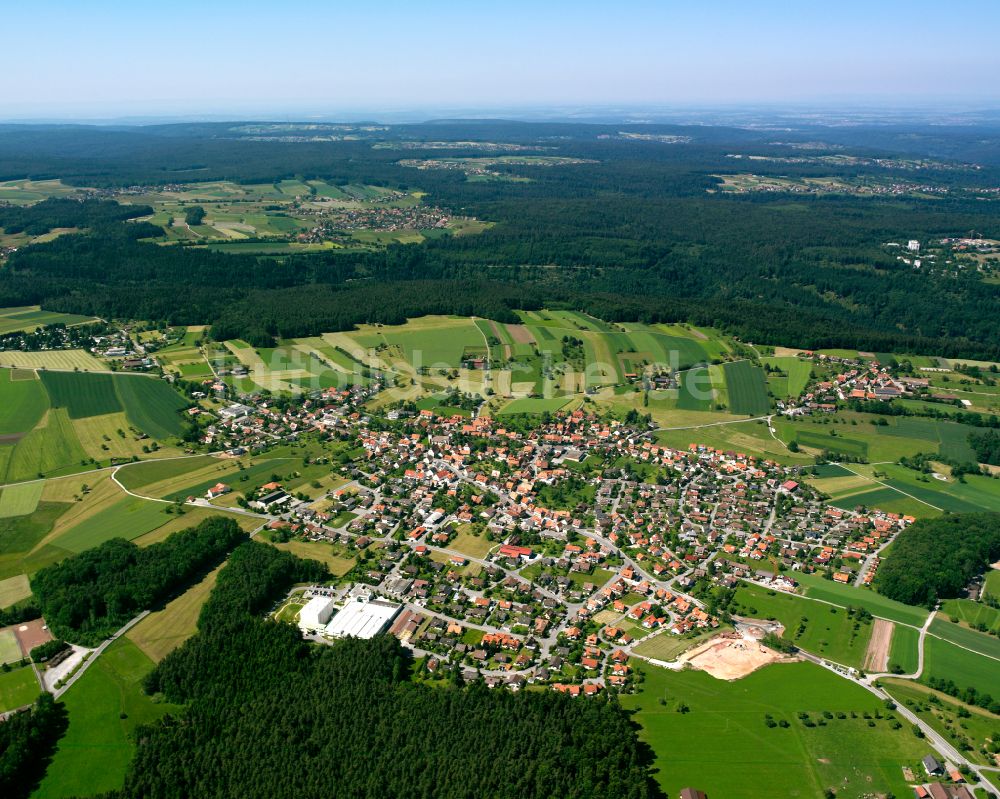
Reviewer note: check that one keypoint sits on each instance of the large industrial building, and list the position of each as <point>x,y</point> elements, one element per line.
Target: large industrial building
<point>316,613</point>
<point>362,618</point>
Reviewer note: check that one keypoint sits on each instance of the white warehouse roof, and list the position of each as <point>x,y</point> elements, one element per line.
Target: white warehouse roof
<point>362,619</point>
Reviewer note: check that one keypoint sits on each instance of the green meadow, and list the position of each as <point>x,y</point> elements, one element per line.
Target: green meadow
<point>713,735</point>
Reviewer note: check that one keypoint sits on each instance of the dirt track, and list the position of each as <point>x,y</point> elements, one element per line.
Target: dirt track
<point>877,656</point>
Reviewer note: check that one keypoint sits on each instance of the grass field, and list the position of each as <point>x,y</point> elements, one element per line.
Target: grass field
<point>14,589</point>
<point>18,688</point>
<point>475,546</point>
<point>128,518</point>
<point>795,379</point>
<point>723,746</point>
<point>983,643</point>
<point>328,554</point>
<point>967,669</point>
<point>20,534</point>
<point>10,650</point>
<point>992,584</point>
<point>970,613</point>
<point>817,587</point>
<point>105,707</point>
<point>903,648</point>
<point>137,476</point>
<point>747,388</point>
<point>22,403</point>
<point>822,629</point>
<point>51,447</point>
<point>20,499</point>
<point>966,727</point>
<point>164,630</point>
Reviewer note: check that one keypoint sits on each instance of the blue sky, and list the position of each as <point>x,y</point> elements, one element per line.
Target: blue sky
<point>101,57</point>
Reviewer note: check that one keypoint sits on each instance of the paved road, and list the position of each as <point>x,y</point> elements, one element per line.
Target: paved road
<point>97,652</point>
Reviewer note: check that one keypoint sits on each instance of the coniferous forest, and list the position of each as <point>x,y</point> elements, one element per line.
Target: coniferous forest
<point>936,558</point>
<point>268,715</point>
<point>635,231</point>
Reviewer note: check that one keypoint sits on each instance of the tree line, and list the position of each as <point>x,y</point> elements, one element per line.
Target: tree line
<point>87,597</point>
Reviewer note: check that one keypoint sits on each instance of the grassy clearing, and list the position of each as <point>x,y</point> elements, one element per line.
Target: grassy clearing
<point>329,554</point>
<point>816,627</point>
<point>105,707</point>
<point>18,688</point>
<point>164,630</point>
<point>723,746</point>
<point>971,614</point>
<point>20,499</point>
<point>474,546</point>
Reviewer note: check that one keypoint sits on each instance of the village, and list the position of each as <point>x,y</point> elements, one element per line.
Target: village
<point>541,555</point>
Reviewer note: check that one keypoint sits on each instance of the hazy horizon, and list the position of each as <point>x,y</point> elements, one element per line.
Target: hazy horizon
<point>110,60</point>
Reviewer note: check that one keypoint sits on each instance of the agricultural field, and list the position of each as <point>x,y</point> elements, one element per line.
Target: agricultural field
<point>747,388</point>
<point>972,640</point>
<point>61,360</point>
<point>105,706</point>
<point>128,518</point>
<point>14,589</point>
<point>164,630</point>
<point>903,649</point>
<point>666,646</point>
<point>947,661</point>
<point>722,745</point>
<point>816,627</point>
<point>20,535</point>
<point>20,499</point>
<point>23,402</point>
<point>791,377</point>
<point>13,320</point>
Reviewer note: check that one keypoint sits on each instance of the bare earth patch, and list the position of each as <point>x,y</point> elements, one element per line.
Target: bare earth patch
<point>31,634</point>
<point>877,656</point>
<point>730,658</point>
<point>521,334</point>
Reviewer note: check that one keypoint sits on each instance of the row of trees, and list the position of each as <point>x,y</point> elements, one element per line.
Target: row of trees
<point>937,558</point>
<point>87,597</point>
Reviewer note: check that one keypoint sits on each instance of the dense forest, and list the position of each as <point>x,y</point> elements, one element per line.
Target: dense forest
<point>27,741</point>
<point>631,234</point>
<point>85,598</point>
<point>937,558</point>
<point>271,716</point>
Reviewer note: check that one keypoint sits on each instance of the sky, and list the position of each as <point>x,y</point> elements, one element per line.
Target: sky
<point>112,58</point>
